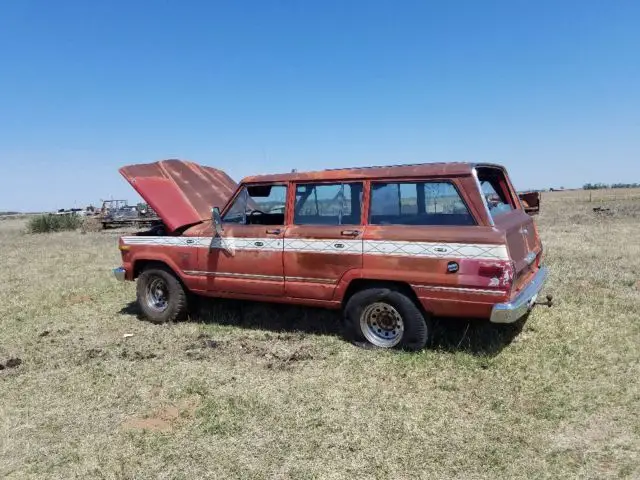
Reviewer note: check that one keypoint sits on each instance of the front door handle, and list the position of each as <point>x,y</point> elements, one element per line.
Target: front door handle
<point>274,231</point>
<point>350,233</point>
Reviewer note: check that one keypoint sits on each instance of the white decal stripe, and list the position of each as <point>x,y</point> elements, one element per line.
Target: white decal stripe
<point>436,250</point>
<point>242,243</point>
<point>335,246</point>
<point>162,241</point>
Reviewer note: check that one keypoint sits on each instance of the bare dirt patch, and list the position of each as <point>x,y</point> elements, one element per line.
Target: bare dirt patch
<point>164,419</point>
<point>271,350</point>
<point>13,362</point>
<point>75,299</point>
<point>137,355</point>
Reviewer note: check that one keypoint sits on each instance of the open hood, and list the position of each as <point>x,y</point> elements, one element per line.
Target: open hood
<point>182,193</point>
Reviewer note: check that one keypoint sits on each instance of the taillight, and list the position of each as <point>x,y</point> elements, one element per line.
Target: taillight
<point>491,271</point>
<point>499,274</point>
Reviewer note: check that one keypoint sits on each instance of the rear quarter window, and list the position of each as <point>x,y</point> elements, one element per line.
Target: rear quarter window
<point>495,190</point>
<point>417,203</point>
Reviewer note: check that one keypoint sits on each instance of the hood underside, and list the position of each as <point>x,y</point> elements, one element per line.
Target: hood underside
<point>182,193</point>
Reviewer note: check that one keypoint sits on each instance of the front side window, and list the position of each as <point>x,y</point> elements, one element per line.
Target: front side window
<point>258,205</point>
<point>417,203</point>
<point>328,204</point>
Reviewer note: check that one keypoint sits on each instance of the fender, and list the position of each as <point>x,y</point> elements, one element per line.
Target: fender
<point>344,282</point>
<point>154,256</point>
<point>368,274</point>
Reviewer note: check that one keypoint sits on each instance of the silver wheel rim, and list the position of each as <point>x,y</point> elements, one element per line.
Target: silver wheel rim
<point>157,295</point>
<point>382,325</point>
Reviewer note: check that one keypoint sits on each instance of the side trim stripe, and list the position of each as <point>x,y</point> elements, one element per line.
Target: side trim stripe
<point>250,276</point>
<point>480,291</point>
<point>247,276</point>
<point>327,281</point>
<point>334,246</point>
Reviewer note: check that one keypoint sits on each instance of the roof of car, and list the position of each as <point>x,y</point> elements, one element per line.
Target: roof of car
<point>441,169</point>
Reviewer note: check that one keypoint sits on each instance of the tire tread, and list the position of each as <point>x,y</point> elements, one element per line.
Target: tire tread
<point>178,303</point>
<point>417,325</point>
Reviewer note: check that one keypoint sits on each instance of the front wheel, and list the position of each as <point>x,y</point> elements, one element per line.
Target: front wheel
<point>386,318</point>
<point>161,296</point>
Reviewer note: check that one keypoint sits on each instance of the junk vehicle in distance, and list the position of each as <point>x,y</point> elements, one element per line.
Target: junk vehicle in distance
<point>118,213</point>
<point>530,201</point>
<point>391,247</point>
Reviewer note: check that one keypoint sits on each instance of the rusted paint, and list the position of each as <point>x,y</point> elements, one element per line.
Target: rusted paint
<point>182,193</point>
<point>419,170</point>
<point>260,263</point>
<point>332,267</point>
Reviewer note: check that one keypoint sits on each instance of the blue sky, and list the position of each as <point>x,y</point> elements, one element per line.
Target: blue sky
<point>551,89</point>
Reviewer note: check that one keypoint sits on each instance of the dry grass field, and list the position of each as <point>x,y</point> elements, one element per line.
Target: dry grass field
<point>262,391</point>
<point>601,195</point>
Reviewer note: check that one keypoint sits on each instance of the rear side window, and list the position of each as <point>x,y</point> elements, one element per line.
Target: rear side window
<point>417,203</point>
<point>495,191</point>
<point>328,204</point>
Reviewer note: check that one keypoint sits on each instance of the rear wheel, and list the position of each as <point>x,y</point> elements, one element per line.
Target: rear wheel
<point>161,296</point>
<point>386,318</point>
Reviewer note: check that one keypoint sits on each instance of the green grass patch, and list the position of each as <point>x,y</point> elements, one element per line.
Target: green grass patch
<point>53,223</point>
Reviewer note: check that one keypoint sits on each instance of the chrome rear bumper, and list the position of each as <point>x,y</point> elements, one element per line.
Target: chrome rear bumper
<point>523,302</point>
<point>120,273</point>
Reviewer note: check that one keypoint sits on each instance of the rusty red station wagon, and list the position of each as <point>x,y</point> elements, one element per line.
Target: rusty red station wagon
<point>390,246</point>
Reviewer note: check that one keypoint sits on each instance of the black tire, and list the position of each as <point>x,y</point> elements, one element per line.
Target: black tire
<point>417,327</point>
<point>158,277</point>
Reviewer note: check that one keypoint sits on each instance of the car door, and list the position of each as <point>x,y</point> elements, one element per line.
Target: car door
<point>247,258</point>
<point>324,241</point>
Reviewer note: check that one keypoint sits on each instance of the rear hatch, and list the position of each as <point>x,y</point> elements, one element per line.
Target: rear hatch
<point>508,216</point>
<point>182,193</point>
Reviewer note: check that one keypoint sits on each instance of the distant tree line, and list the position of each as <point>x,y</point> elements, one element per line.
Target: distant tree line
<point>598,186</point>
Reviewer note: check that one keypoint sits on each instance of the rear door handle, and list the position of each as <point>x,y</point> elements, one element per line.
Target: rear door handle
<point>350,233</point>
<point>274,231</point>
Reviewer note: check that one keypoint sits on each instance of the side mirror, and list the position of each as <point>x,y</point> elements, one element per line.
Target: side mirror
<point>217,241</point>
<point>217,221</point>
